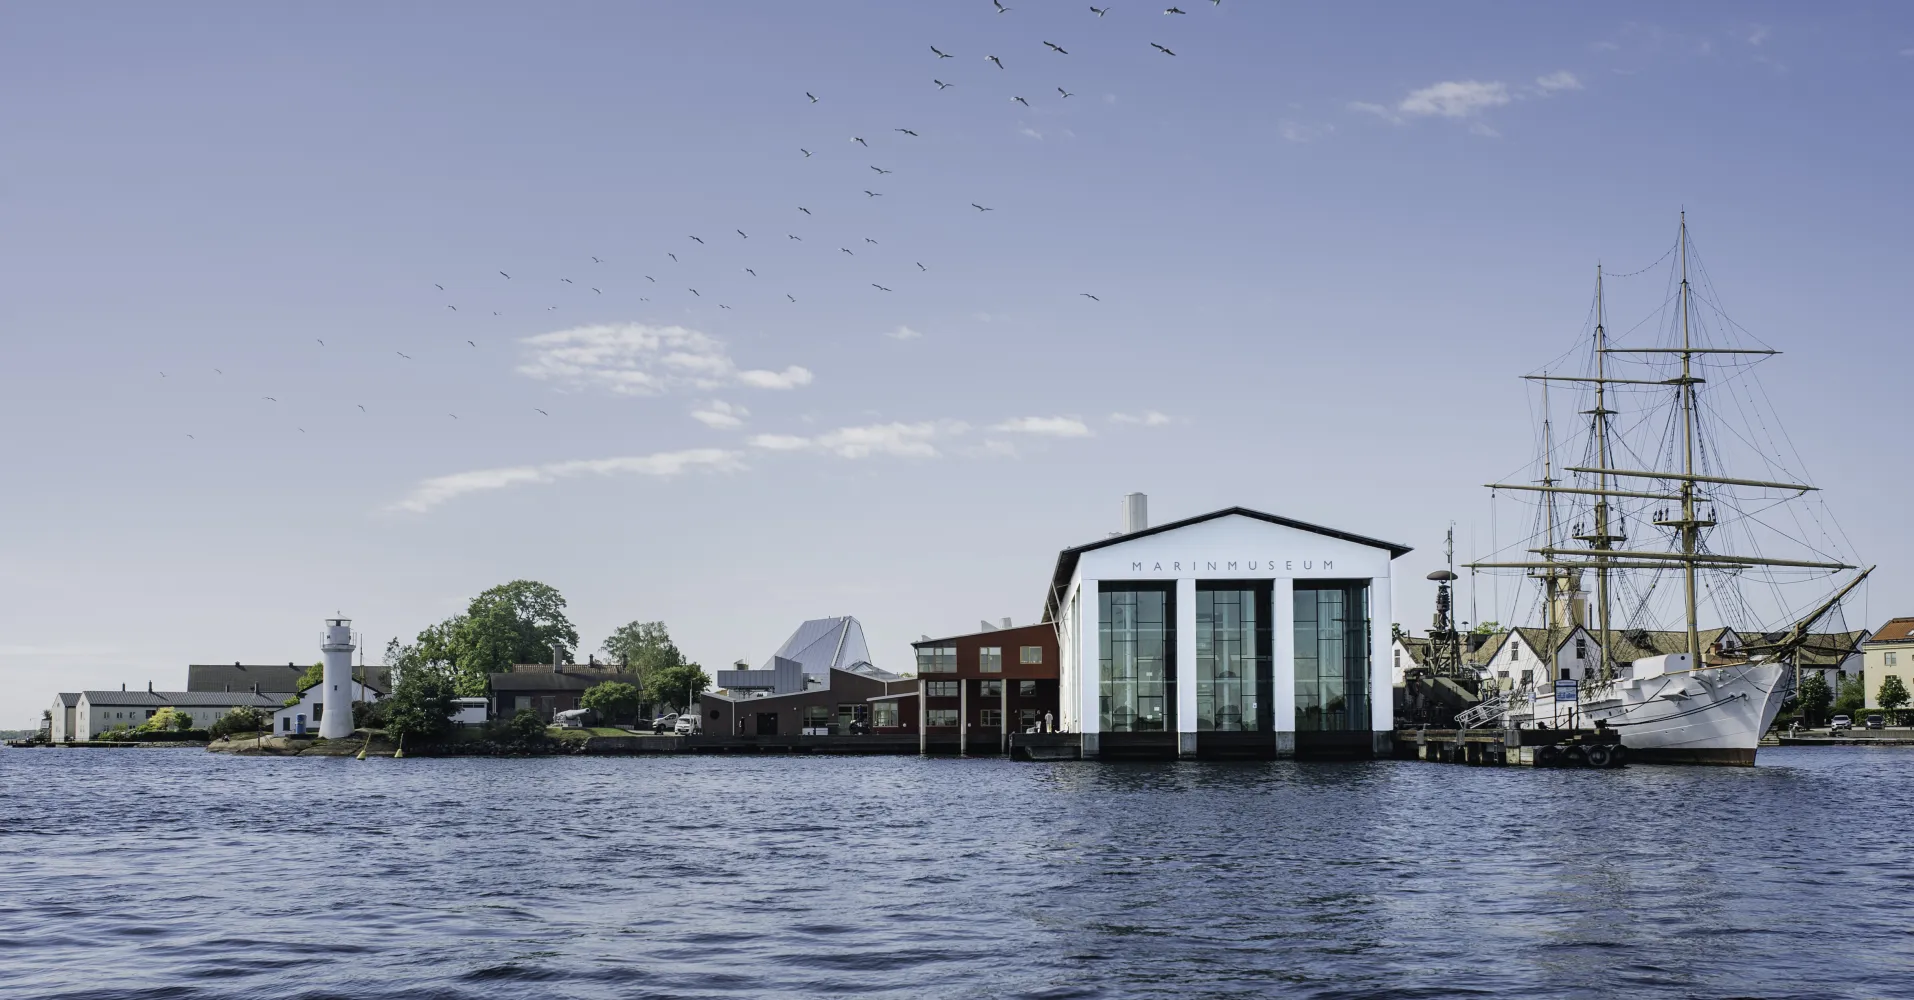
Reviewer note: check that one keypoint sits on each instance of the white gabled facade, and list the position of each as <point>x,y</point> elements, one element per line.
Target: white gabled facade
<point>1231,545</point>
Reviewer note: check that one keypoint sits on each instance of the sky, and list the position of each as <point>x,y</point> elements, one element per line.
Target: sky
<point>264,362</point>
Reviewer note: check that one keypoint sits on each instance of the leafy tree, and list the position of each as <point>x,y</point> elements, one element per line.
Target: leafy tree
<point>645,648</point>
<point>1486,628</point>
<point>1814,697</point>
<point>314,674</point>
<point>421,704</point>
<point>167,718</point>
<point>1893,693</point>
<point>614,701</point>
<point>528,728</point>
<point>1853,697</point>
<point>516,622</point>
<point>244,719</point>
<point>677,686</point>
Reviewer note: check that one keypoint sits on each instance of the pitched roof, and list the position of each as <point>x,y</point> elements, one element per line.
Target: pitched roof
<point>122,698</point>
<point>1896,630</point>
<point>825,643</point>
<point>181,699</point>
<point>569,680</point>
<point>1067,559</point>
<point>1473,656</point>
<point>69,698</point>
<point>242,676</point>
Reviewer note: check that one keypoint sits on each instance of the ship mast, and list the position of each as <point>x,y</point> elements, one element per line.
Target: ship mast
<point>1690,528</point>
<point>1602,539</point>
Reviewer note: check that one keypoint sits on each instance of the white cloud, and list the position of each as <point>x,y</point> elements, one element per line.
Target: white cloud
<point>720,415</point>
<point>1067,427</point>
<point>1755,34</point>
<point>1293,131</point>
<point>1556,81</point>
<point>1148,418</point>
<point>1909,53</point>
<point>1031,132</point>
<point>992,448</point>
<point>638,359</point>
<point>1375,109</point>
<point>1455,99</point>
<point>904,333</point>
<point>432,492</point>
<point>901,440</point>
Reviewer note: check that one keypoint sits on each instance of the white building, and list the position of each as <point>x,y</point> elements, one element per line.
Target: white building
<point>94,712</point>
<point>1234,633</point>
<point>307,715</point>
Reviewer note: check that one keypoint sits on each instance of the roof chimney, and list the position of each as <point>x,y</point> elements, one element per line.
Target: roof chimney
<point>149,687</point>
<point>1136,512</point>
<point>1006,623</point>
<point>558,658</point>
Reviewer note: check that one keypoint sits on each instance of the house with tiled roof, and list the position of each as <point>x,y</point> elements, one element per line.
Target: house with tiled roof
<point>94,712</point>
<point>1889,652</point>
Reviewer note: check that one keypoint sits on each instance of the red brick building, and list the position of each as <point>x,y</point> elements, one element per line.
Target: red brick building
<point>975,689</point>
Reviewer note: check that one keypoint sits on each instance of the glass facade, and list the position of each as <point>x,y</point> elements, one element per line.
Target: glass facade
<point>990,660</point>
<point>1030,654</point>
<point>884,713</point>
<point>940,718</point>
<point>940,689</point>
<point>937,659</point>
<point>1136,642</point>
<point>1332,656</point>
<point>1232,657</point>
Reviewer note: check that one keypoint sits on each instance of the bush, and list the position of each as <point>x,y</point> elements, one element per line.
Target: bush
<point>368,715</point>
<point>613,701</point>
<point>168,718</point>
<point>526,729</point>
<point>244,719</point>
<point>421,705</point>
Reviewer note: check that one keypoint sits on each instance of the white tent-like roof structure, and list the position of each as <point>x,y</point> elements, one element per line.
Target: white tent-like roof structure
<point>823,643</point>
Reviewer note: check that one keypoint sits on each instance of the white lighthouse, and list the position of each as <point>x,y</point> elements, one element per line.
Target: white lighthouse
<point>336,721</point>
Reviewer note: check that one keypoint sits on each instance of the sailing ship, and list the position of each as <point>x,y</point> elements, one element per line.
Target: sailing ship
<point>1691,695</point>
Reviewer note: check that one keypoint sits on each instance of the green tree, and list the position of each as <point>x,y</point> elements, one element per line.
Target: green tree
<point>165,719</point>
<point>517,622</point>
<point>314,674</point>
<point>421,704</point>
<point>645,648</point>
<point>677,686</point>
<point>1814,698</point>
<point>244,719</point>
<point>1486,628</point>
<point>528,729</point>
<point>614,701</point>
<point>1893,693</point>
<point>1852,697</point>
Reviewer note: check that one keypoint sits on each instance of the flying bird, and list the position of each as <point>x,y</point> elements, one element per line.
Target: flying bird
<point>847,250</point>
<point>1087,295</point>
<point>789,236</point>
<point>906,131</point>
<point>806,211</point>
<point>941,85</point>
<point>1058,49</point>
<point>541,411</point>
<point>569,281</point>
<point>452,307</point>
<point>812,96</point>
<point>191,438</point>
<point>700,242</point>
<point>980,208</point>
<point>695,292</point>
<point>302,430</point>
<point>321,342</point>
<point>723,306</point>
<point>879,287</point>
<point>454,416</point>
<point>920,266</point>
<point>1099,11</point>
<point>507,276</point>
<point>880,170</point>
<point>941,54</point>
<point>495,312</point>
<point>750,272</point>
<point>438,286</point>
<point>1175,10</point>
<point>870,241</point>
<point>873,194</point>
<point>598,292</point>
<point>1065,93</point>
<point>788,295</point>
<point>999,62</point>
<point>218,372</point>
<point>1161,49</point>
<point>596,261</point>
<point>1021,101</point>
<point>651,279</point>
<point>806,152</point>
<point>270,398</point>
<point>404,355</point>
<point>469,342</point>
<point>740,232</point>
<point>860,142</point>
<point>362,407</point>
<point>1001,9</point>
<point>673,256</point>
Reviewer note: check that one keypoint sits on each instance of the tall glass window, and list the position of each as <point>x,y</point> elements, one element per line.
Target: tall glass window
<point>1136,641</point>
<point>1332,656</point>
<point>990,660</point>
<point>1232,657</point>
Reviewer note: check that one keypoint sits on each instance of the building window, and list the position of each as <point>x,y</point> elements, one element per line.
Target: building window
<point>990,660</point>
<point>1889,658</point>
<point>991,718</point>
<point>940,717</point>
<point>849,715</point>
<point>937,659</point>
<point>1030,654</point>
<point>1026,689</point>
<point>817,717</point>
<point>1515,651</point>
<point>940,689</point>
<point>1398,656</point>
<point>990,689</point>
<point>1528,677</point>
<point>1581,648</point>
<point>1136,634</point>
<point>1232,658</point>
<point>884,714</point>
<point>1332,656</point>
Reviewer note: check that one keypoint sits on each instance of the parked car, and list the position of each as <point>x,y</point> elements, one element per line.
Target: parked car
<point>665,723</point>
<point>687,725</point>
<point>1839,723</point>
<point>1875,722</point>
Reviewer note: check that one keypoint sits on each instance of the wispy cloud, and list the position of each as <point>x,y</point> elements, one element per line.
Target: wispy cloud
<point>1755,34</point>
<point>1295,131</point>
<point>642,360</point>
<point>433,492</point>
<point>1148,418</point>
<point>720,415</point>
<point>904,333</point>
<point>900,440</point>
<point>1907,53</point>
<point>1065,427</point>
<point>1559,80</point>
<point>1466,100</point>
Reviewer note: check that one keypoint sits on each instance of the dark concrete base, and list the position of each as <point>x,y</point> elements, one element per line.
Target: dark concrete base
<point>1355,745</point>
<point>1715,758</point>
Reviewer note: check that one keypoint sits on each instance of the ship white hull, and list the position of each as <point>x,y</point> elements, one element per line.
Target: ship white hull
<point>1714,715</point>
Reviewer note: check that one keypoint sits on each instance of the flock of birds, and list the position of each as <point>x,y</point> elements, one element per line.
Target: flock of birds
<point>653,285</point>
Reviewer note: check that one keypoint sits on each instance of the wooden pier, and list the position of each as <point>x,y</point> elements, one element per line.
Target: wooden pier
<point>1593,748</point>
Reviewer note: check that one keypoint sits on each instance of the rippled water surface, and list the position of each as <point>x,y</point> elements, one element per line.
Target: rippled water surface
<point>183,874</point>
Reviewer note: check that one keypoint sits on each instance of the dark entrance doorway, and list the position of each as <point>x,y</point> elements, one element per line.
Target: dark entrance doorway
<point>767,723</point>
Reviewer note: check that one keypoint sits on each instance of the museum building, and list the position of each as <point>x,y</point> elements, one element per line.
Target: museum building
<point>1231,634</point>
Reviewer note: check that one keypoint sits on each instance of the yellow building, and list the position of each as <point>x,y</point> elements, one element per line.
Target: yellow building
<point>1889,652</point>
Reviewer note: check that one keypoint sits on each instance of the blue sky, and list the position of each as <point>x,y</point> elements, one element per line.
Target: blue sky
<point>1323,241</point>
